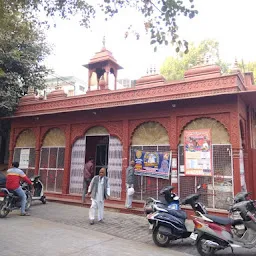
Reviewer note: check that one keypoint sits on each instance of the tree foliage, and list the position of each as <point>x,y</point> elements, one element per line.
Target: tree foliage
<point>248,67</point>
<point>173,68</point>
<point>160,15</point>
<point>22,50</point>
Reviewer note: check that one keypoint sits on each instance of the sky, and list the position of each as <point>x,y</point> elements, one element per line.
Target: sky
<point>230,22</point>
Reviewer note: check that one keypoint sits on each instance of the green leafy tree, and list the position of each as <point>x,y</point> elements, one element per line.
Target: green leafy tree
<point>173,68</point>
<point>160,15</point>
<point>248,67</point>
<point>22,50</point>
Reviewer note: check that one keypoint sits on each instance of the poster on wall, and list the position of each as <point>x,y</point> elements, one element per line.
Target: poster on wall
<point>24,158</point>
<point>153,164</point>
<point>197,152</point>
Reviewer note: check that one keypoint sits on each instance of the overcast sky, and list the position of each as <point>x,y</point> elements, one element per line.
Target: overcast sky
<point>227,21</point>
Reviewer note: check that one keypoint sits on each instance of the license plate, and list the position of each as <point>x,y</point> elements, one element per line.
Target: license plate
<point>1,198</point>
<point>193,236</point>
<point>151,226</point>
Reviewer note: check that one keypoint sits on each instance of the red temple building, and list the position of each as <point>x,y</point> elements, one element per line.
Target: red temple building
<point>54,137</point>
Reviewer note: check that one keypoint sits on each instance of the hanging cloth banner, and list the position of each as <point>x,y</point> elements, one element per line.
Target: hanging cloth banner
<point>198,152</point>
<point>153,164</point>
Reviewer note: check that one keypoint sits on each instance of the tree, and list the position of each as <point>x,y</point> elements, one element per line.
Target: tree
<point>160,16</point>
<point>173,68</point>
<point>248,67</point>
<point>22,50</point>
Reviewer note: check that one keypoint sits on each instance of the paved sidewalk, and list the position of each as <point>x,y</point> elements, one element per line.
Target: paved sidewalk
<point>126,226</point>
<point>28,236</point>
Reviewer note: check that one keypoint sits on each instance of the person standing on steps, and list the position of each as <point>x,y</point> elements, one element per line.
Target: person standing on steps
<point>88,175</point>
<point>99,191</point>
<point>130,180</point>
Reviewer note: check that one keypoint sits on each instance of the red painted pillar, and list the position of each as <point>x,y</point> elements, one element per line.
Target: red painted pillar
<point>66,174</point>
<point>126,140</point>
<point>173,140</point>
<point>37,153</point>
<point>236,170</point>
<point>11,148</point>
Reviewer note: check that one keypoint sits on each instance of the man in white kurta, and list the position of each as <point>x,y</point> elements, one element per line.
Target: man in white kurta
<point>99,190</point>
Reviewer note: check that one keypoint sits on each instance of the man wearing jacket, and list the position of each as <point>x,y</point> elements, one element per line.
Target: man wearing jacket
<point>13,177</point>
<point>98,190</point>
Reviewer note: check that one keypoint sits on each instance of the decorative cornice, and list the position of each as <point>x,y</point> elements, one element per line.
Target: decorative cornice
<point>132,96</point>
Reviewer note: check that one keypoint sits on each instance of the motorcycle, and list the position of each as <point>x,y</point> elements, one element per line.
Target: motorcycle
<point>169,224</point>
<point>9,201</point>
<point>169,200</point>
<point>38,193</point>
<point>217,233</point>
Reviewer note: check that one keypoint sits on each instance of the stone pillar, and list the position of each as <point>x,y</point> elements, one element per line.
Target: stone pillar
<point>66,174</point>
<point>11,148</point>
<point>89,79</point>
<point>37,153</point>
<point>107,78</point>
<point>115,74</point>
<point>236,170</point>
<point>174,140</point>
<point>126,145</point>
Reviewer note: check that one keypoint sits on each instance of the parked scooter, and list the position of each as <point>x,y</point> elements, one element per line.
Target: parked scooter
<point>169,200</point>
<point>169,224</point>
<point>38,189</point>
<point>216,233</point>
<point>9,201</point>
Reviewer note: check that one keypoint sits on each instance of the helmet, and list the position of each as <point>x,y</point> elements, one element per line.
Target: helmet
<point>130,191</point>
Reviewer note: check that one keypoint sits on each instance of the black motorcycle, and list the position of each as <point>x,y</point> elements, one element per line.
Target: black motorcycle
<point>11,200</point>
<point>168,224</point>
<point>168,200</point>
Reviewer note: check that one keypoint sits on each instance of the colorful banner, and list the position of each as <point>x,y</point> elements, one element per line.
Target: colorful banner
<point>153,164</point>
<point>198,152</point>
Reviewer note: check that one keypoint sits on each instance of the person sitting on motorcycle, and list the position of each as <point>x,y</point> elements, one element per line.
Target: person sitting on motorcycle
<point>13,177</point>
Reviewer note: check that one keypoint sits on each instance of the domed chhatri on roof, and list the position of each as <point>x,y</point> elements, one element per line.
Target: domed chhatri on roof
<point>102,64</point>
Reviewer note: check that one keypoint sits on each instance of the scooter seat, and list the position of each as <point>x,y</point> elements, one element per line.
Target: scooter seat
<point>177,213</point>
<point>220,220</point>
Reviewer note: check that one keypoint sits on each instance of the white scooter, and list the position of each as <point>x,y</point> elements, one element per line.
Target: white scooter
<point>38,193</point>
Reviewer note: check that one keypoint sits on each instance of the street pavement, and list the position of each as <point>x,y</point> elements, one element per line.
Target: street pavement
<point>57,230</point>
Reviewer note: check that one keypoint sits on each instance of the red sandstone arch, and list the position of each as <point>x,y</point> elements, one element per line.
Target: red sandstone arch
<point>18,132</point>
<point>45,130</point>
<point>136,125</point>
<point>197,118</point>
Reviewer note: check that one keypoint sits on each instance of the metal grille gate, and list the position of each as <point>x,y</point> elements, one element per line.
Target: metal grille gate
<point>216,190</point>
<point>52,167</point>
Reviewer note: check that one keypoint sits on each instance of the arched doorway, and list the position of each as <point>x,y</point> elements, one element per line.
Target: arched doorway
<point>149,137</point>
<point>24,152</point>
<point>106,151</point>
<point>52,160</point>
<point>217,189</point>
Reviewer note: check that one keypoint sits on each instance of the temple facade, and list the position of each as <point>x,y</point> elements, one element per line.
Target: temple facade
<point>54,137</point>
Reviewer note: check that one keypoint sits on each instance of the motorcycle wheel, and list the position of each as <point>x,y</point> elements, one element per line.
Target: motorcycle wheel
<point>204,250</point>
<point>29,201</point>
<point>43,199</point>
<point>4,211</point>
<point>159,239</point>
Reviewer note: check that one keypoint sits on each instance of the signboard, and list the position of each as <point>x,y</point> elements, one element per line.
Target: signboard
<point>24,158</point>
<point>198,152</point>
<point>153,164</point>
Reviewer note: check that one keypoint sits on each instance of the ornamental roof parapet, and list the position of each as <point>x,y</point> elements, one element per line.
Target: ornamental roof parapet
<point>156,91</point>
